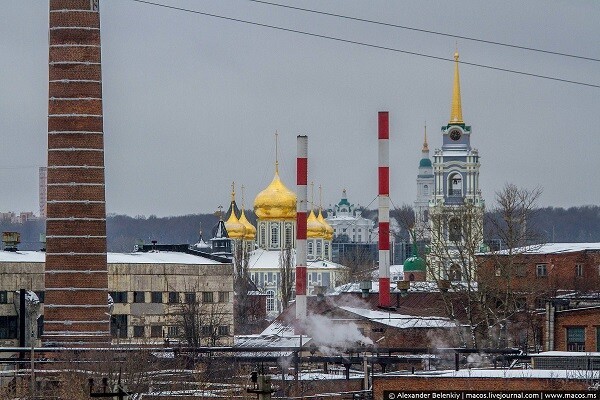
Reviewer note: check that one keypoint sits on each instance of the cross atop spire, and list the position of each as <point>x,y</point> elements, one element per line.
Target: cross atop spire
<point>425,145</point>
<point>456,108</point>
<point>276,153</point>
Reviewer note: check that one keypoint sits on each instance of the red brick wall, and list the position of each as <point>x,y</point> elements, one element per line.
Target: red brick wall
<point>589,319</point>
<point>76,272</point>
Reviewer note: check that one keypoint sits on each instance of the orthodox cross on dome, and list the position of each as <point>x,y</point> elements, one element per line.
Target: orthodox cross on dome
<point>242,197</point>
<point>232,192</point>
<point>219,212</point>
<point>276,152</point>
<point>320,197</point>
<point>425,145</point>
<point>312,195</point>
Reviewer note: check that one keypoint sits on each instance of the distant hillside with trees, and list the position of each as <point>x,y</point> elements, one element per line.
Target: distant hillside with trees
<point>554,224</point>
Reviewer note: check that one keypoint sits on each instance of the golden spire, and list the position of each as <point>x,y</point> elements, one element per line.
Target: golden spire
<point>456,109</point>
<point>425,145</point>
<point>232,191</point>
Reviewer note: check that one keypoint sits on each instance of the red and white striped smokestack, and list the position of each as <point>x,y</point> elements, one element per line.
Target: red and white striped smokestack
<point>301,205</point>
<point>384,209</point>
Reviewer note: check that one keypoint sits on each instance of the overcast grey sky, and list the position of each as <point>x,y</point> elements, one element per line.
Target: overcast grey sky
<point>191,102</point>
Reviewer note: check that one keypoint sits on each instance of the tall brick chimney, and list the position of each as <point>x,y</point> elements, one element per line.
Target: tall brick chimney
<point>75,311</point>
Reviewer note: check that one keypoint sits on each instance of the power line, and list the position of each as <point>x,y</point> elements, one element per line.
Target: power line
<point>428,31</point>
<point>337,39</point>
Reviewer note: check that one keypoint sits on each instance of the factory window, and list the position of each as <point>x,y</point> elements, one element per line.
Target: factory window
<point>139,297</point>
<point>119,297</point>
<point>190,297</point>
<point>40,326</point>
<point>156,331</point>
<point>207,297</point>
<point>521,270</point>
<point>541,270</point>
<point>578,270</point>
<point>118,325</point>
<point>205,330</point>
<point>156,297</point>
<point>138,331</point>
<point>576,338</point>
<point>223,297</point>
<point>223,330</point>
<point>173,297</point>
<point>172,331</point>
<point>3,297</point>
<point>8,327</point>
<point>270,300</point>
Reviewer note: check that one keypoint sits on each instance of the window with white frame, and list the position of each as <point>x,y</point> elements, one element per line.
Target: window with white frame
<point>270,300</point>
<point>578,270</point>
<point>274,235</point>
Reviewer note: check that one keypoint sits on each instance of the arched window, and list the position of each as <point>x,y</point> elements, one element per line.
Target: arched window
<point>274,235</point>
<point>319,248</point>
<point>270,300</point>
<point>326,255</point>
<point>411,277</point>
<point>426,190</point>
<point>310,247</point>
<point>288,235</point>
<point>455,185</point>
<point>455,230</point>
<point>455,273</point>
<point>263,235</point>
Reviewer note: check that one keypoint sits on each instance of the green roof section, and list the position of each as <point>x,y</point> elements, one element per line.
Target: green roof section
<point>425,162</point>
<point>414,264</point>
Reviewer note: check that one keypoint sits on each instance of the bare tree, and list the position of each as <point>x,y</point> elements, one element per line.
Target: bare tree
<point>286,270</point>
<point>477,283</point>
<point>204,323</point>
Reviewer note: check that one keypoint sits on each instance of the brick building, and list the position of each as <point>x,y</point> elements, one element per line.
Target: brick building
<point>572,323</point>
<point>544,270</point>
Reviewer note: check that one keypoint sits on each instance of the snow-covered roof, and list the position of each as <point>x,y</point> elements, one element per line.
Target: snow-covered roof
<point>253,341</point>
<point>278,328</point>
<point>158,257</point>
<point>428,287</point>
<point>269,259</point>
<point>550,248</point>
<point>507,373</point>
<point>566,354</point>
<point>401,321</point>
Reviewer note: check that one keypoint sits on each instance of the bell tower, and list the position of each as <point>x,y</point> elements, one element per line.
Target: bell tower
<point>456,207</point>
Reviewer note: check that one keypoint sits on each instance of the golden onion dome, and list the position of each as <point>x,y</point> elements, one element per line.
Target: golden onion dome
<point>328,228</point>
<point>314,229</point>
<point>235,228</point>
<point>276,201</point>
<point>250,230</point>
